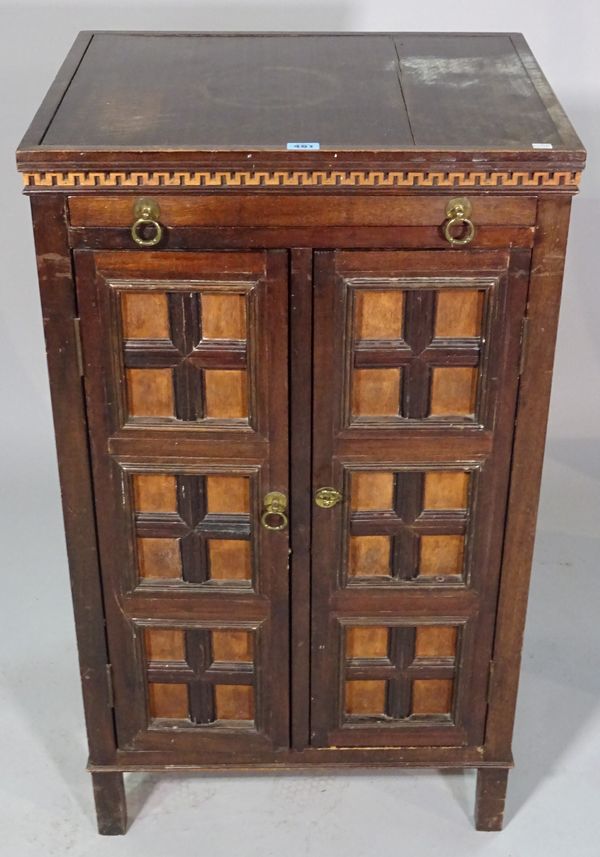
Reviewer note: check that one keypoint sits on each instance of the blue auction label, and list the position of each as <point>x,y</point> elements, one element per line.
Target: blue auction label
<point>303,146</point>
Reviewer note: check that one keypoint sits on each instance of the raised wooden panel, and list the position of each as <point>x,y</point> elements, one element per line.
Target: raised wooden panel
<point>226,394</point>
<point>398,672</point>
<point>369,556</point>
<point>229,559</point>
<point>227,495</point>
<point>436,641</point>
<point>169,701</point>
<point>150,392</point>
<point>375,392</point>
<point>407,525</point>
<point>446,489</point>
<point>223,316</point>
<point>181,522</point>
<point>232,646</point>
<point>212,671</point>
<point>378,314</point>
<point>365,698</point>
<point>417,351</point>
<point>188,350</point>
<point>441,555</point>
<point>372,491</point>
<point>234,702</point>
<point>145,315</point>
<point>155,492</point>
<point>432,696</point>
<point>453,391</point>
<point>368,641</point>
<point>159,559</point>
<point>164,644</point>
<point>459,313</point>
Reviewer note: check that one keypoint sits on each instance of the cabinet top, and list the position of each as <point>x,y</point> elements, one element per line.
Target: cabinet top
<point>306,100</point>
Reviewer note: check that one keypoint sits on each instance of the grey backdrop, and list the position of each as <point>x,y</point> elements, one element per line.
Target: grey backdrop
<point>45,796</point>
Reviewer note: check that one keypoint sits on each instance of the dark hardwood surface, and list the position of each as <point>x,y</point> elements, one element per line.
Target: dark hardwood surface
<point>58,301</point>
<point>372,92</point>
<point>255,211</point>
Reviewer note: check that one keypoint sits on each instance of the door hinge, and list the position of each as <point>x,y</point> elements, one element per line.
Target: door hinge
<point>78,347</point>
<point>109,685</point>
<point>488,695</point>
<point>524,334</point>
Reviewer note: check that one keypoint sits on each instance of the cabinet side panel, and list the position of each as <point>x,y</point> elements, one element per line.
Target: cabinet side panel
<point>59,310</point>
<point>528,452</point>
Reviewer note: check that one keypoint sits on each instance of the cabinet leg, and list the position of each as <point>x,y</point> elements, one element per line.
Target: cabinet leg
<point>490,798</point>
<point>111,804</point>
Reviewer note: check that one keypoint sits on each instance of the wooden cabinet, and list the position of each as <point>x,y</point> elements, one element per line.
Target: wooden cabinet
<point>300,336</point>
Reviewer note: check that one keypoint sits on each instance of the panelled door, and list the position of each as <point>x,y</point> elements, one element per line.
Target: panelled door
<point>413,423</point>
<point>187,407</point>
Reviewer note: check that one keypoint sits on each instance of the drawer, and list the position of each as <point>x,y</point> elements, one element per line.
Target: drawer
<point>292,210</point>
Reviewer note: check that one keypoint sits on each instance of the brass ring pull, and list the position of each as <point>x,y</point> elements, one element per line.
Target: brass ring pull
<point>146,212</point>
<point>274,505</point>
<point>457,214</point>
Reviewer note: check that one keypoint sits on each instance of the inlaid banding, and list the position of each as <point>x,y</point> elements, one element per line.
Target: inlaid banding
<point>74,179</point>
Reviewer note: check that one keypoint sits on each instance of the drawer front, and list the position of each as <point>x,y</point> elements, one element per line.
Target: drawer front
<point>293,210</point>
<point>243,220</point>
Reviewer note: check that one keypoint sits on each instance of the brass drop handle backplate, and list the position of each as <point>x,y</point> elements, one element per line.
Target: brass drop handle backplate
<point>146,214</point>
<point>327,498</point>
<point>458,211</point>
<point>274,507</point>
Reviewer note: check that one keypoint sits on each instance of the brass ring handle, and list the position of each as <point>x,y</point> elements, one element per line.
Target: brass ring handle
<point>265,518</point>
<point>459,221</point>
<point>274,505</point>
<point>146,212</point>
<point>146,242</point>
<point>457,214</point>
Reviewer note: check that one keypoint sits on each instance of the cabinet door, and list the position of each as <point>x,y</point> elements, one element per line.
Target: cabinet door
<point>416,374</point>
<point>186,391</point>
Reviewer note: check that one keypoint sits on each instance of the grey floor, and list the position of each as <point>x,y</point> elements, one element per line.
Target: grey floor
<point>45,794</point>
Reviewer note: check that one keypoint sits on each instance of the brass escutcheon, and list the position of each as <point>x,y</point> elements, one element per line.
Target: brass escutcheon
<point>327,498</point>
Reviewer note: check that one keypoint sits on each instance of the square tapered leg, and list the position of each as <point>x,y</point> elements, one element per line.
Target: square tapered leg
<point>111,803</point>
<point>490,798</point>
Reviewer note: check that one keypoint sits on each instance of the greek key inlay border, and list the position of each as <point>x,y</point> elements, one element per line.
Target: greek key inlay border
<point>303,178</point>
